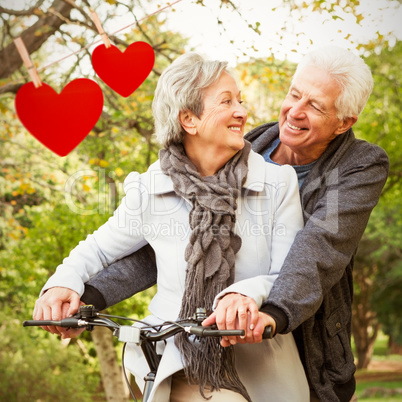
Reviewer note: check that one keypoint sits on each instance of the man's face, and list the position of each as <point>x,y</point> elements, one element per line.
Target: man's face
<point>307,119</point>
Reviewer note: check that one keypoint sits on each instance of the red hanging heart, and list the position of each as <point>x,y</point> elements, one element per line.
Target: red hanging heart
<point>60,121</point>
<point>123,72</point>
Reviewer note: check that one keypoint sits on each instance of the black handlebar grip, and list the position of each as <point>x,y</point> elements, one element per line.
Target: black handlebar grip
<point>205,331</point>
<point>268,332</point>
<point>30,323</point>
<point>41,323</point>
<point>202,331</point>
<point>65,323</point>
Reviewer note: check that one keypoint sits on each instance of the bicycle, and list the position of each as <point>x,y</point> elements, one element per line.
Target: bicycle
<point>146,336</point>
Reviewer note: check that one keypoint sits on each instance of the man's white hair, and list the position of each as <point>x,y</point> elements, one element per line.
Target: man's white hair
<point>350,72</point>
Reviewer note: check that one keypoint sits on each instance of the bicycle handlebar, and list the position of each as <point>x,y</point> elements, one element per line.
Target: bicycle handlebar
<point>88,317</point>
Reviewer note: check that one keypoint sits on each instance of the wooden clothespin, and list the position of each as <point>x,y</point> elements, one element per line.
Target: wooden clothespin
<point>33,73</point>
<point>100,29</point>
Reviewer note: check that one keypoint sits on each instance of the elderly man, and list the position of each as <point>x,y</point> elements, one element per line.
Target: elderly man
<point>340,179</point>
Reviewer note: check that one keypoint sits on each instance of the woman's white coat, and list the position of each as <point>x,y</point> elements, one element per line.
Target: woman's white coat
<point>268,217</point>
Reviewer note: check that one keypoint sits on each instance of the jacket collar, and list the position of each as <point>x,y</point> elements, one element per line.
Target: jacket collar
<point>159,183</point>
<point>262,136</point>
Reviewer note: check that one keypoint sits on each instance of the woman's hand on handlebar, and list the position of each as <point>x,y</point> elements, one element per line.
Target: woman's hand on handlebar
<point>55,304</point>
<point>235,311</point>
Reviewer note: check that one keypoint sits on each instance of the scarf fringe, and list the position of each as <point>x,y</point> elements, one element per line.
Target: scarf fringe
<point>212,375</point>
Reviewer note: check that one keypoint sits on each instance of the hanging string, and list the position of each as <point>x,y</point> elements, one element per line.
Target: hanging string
<point>100,40</point>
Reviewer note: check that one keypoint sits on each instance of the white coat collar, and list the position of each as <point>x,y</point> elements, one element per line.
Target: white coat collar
<point>159,183</point>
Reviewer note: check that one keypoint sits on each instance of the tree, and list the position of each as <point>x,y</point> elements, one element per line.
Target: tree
<point>377,269</point>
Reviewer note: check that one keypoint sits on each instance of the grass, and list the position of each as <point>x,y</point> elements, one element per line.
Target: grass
<point>384,382</point>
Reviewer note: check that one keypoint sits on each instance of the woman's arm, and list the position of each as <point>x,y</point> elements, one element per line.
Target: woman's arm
<point>119,236</point>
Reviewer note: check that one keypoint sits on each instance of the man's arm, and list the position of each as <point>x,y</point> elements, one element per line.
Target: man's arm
<point>122,279</point>
<point>324,248</point>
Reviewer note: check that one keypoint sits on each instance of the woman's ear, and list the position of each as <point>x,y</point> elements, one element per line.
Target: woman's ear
<point>345,124</point>
<point>187,121</point>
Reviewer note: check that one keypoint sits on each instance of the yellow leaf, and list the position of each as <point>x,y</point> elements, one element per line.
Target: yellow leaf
<point>119,172</point>
<point>359,18</point>
<point>103,163</point>
<point>86,188</point>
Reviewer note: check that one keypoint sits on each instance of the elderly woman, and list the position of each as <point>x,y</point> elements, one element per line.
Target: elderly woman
<point>218,217</point>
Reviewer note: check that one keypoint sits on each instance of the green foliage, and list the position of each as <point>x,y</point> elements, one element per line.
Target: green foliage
<point>387,302</point>
<point>35,366</point>
<point>381,121</point>
<point>380,252</point>
<point>25,265</point>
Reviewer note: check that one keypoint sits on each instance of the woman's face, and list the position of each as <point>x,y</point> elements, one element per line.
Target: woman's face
<point>220,127</point>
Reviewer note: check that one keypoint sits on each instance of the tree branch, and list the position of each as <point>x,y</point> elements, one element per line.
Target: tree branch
<point>10,88</point>
<point>10,60</point>
<point>21,13</point>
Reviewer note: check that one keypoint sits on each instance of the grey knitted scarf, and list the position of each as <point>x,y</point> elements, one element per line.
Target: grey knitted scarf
<point>210,257</point>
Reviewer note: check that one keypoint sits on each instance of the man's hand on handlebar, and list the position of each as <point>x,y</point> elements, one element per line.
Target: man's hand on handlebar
<point>55,304</point>
<point>235,311</point>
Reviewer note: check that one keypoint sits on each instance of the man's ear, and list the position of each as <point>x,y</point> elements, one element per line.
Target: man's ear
<point>345,124</point>
<point>186,119</point>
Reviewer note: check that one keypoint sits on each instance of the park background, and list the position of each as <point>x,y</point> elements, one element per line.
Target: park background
<point>49,203</point>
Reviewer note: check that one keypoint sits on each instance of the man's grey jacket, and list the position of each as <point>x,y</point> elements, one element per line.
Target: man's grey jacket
<point>313,294</point>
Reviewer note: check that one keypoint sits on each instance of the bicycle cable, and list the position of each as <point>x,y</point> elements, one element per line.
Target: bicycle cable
<point>123,366</point>
<point>122,318</point>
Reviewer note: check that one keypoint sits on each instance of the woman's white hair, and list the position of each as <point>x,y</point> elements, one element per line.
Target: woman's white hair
<point>350,72</point>
<point>180,88</point>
